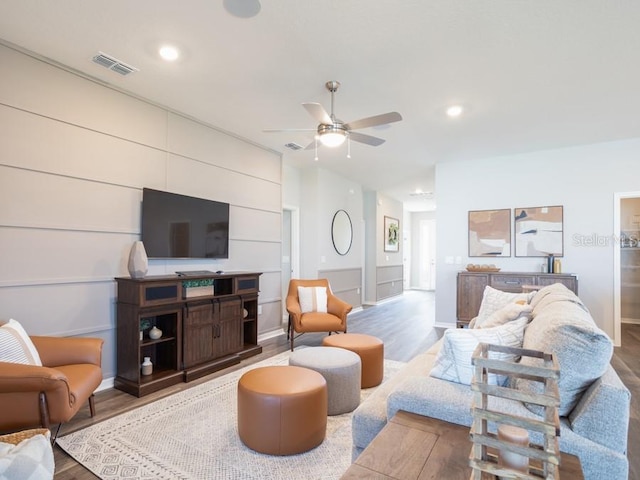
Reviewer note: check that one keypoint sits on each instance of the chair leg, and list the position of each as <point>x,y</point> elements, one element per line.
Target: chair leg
<point>92,405</point>
<point>291,334</point>
<point>44,411</point>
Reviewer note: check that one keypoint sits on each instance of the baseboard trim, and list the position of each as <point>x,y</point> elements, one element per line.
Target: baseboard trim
<point>271,334</point>
<point>635,321</point>
<point>444,325</point>
<point>106,384</point>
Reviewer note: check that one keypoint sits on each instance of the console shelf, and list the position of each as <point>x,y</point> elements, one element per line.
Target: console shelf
<point>208,322</point>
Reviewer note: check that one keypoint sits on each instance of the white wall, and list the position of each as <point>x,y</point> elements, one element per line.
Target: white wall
<point>324,193</point>
<point>74,157</point>
<point>582,179</point>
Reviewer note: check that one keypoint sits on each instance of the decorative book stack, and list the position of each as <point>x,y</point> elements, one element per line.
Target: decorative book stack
<point>510,454</point>
<point>198,288</point>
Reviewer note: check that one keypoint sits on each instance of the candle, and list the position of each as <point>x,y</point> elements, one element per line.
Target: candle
<point>516,436</point>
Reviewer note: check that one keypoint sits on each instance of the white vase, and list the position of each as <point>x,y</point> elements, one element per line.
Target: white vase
<point>147,366</point>
<point>155,333</point>
<point>138,261</point>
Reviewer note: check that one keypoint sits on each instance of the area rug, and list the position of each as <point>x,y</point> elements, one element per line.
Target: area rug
<point>192,435</point>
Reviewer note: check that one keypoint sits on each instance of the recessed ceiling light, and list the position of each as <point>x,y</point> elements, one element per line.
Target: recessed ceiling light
<point>169,53</point>
<point>455,110</point>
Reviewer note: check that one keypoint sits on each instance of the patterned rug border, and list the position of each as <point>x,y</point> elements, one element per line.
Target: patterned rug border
<point>173,438</point>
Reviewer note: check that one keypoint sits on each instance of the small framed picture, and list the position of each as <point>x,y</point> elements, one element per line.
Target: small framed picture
<point>391,234</point>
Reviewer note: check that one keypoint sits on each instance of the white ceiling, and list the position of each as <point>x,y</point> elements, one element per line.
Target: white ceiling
<point>531,75</point>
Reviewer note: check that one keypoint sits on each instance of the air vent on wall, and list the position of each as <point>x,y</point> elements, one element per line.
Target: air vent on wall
<point>421,194</point>
<point>293,146</point>
<point>114,64</point>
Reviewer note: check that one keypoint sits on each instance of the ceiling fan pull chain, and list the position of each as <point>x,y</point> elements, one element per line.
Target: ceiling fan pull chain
<point>348,147</point>
<point>316,140</point>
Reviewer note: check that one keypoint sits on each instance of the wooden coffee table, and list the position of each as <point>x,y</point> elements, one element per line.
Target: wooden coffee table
<point>412,447</point>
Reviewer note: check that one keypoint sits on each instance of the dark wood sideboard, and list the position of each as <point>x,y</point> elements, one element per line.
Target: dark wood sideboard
<point>202,330</point>
<point>471,287</point>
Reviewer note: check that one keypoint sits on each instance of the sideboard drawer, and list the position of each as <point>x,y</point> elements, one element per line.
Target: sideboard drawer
<point>511,282</point>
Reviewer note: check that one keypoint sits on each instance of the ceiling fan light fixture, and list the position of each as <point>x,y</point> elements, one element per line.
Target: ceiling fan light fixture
<point>332,135</point>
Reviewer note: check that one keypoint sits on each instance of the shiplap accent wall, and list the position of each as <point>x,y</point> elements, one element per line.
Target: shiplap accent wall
<point>74,157</point>
<point>346,283</point>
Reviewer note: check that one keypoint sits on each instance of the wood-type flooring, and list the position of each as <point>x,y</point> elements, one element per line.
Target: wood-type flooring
<point>405,324</point>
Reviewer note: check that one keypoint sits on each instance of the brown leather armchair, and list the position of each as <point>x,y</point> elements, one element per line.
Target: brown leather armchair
<point>335,320</point>
<point>34,396</point>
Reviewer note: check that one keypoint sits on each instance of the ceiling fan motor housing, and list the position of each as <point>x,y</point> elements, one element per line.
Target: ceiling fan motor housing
<point>337,128</point>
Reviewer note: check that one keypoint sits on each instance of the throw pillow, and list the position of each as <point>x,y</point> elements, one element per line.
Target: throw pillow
<point>16,346</point>
<point>312,299</point>
<point>493,300</point>
<point>511,311</point>
<point>453,361</point>
<point>31,459</point>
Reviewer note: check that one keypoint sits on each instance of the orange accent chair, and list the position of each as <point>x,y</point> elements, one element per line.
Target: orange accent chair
<point>335,320</point>
<point>41,396</point>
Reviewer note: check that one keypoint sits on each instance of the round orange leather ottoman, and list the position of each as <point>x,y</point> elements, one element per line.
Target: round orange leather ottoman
<point>370,349</point>
<point>282,410</point>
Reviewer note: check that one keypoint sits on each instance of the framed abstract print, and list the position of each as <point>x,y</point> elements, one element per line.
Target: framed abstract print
<point>539,231</point>
<point>490,233</point>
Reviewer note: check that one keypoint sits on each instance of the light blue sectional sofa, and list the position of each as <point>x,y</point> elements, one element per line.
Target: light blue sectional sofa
<point>594,411</point>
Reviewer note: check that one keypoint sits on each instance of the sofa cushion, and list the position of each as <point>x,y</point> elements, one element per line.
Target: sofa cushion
<point>16,346</point>
<point>453,361</point>
<point>565,329</point>
<point>312,299</point>
<point>493,300</point>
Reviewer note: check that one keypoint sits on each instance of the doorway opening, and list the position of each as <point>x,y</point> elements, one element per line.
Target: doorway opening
<point>290,266</point>
<point>626,262</point>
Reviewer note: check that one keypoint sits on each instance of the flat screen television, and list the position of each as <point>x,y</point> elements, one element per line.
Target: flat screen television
<point>178,226</point>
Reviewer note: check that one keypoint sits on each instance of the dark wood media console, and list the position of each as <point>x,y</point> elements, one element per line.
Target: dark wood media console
<point>208,322</point>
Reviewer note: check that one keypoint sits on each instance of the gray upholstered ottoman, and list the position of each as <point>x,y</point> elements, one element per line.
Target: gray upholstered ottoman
<point>341,369</point>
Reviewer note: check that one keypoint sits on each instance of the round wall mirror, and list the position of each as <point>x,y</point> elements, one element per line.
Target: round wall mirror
<point>341,232</point>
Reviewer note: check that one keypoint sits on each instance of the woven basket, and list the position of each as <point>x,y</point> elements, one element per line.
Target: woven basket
<point>17,437</point>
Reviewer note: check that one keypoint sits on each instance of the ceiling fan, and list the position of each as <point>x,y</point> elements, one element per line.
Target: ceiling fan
<point>332,132</point>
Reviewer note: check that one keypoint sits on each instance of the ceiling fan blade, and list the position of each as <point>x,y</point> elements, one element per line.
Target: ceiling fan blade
<point>368,139</point>
<point>318,112</point>
<point>290,130</point>
<point>381,119</point>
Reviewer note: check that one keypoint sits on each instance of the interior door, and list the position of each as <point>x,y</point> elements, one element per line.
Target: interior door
<point>427,277</point>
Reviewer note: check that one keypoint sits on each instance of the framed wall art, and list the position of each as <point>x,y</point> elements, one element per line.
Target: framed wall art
<point>539,231</point>
<point>490,233</point>
<point>391,234</point>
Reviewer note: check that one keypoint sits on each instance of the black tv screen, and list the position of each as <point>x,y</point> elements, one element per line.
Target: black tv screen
<point>178,226</point>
